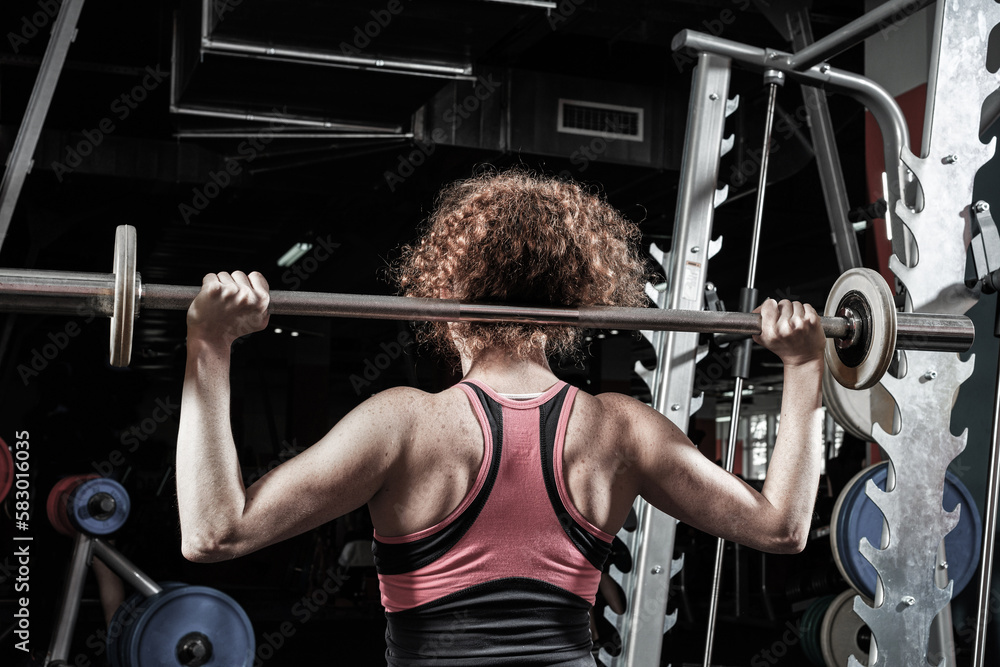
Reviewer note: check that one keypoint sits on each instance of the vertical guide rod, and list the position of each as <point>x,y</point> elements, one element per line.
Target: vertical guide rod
<point>773,79</point>
<point>989,531</point>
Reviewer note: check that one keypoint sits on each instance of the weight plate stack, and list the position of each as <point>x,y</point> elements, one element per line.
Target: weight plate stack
<point>56,504</point>
<point>98,506</point>
<point>856,516</point>
<point>843,633</point>
<point>809,628</point>
<point>187,626</point>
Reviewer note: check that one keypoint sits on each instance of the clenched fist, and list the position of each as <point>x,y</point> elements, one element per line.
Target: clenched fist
<point>792,331</point>
<point>228,306</point>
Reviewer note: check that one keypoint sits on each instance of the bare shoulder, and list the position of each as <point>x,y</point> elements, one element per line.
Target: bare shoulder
<point>635,422</point>
<point>606,418</point>
<point>396,408</point>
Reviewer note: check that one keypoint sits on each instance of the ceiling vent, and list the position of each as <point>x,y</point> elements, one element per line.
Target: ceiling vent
<point>601,120</point>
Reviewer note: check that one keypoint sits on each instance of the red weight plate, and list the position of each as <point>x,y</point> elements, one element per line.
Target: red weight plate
<point>6,470</point>
<point>55,506</point>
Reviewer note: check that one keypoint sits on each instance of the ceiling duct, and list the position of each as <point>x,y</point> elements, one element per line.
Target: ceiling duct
<point>582,120</point>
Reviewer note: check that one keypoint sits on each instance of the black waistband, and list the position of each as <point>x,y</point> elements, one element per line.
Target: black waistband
<point>505,622</point>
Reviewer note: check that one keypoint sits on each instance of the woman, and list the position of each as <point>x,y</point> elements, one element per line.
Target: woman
<point>494,501</point>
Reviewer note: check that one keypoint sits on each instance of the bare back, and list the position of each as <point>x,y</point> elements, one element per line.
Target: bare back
<point>440,460</point>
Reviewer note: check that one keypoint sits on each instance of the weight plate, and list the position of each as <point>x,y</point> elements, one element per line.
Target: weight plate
<point>843,633</point>
<point>809,629</point>
<point>98,506</point>
<point>123,316</point>
<point>122,623</point>
<point>864,364</point>
<point>168,620</point>
<point>56,504</point>
<point>6,470</point>
<point>857,410</point>
<point>856,516</point>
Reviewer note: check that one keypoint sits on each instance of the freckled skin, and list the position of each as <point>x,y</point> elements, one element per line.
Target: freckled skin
<point>412,456</point>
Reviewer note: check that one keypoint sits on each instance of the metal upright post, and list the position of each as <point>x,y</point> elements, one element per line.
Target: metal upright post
<point>643,623</point>
<point>19,160</point>
<point>831,174</point>
<point>69,605</point>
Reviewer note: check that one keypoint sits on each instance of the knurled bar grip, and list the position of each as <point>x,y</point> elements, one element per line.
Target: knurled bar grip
<point>89,294</point>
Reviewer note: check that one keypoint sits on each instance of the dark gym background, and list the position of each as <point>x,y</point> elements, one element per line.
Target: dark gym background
<point>357,200</point>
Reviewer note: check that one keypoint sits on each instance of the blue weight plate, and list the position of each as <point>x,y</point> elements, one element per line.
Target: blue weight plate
<point>859,517</point>
<point>123,621</point>
<point>80,515</point>
<point>174,614</point>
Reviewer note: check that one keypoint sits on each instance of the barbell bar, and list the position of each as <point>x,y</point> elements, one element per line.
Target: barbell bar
<point>863,327</point>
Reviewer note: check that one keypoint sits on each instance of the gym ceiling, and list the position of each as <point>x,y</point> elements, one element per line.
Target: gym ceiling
<point>339,121</point>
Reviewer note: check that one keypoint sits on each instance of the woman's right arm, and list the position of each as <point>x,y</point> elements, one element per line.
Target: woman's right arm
<point>675,477</point>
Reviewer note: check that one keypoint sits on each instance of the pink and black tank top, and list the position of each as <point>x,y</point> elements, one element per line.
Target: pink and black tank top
<point>508,578</point>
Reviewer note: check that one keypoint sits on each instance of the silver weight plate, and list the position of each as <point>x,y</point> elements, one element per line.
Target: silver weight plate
<point>125,296</point>
<point>857,409</point>
<point>843,633</point>
<point>876,353</point>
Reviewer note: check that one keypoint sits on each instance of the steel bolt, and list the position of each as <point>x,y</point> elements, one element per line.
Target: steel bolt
<point>930,375</point>
<point>950,159</point>
<point>657,569</point>
<point>696,249</point>
<point>981,206</point>
<point>675,407</point>
<point>713,96</point>
<point>824,68</point>
<point>909,600</point>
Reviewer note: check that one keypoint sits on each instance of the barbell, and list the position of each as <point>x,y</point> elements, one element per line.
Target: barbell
<point>860,318</point>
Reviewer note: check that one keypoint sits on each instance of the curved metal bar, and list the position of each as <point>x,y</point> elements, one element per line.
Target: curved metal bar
<point>885,109</point>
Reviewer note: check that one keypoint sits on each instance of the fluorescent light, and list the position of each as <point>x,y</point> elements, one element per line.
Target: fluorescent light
<point>294,334</point>
<point>885,193</point>
<point>294,253</point>
<point>277,330</point>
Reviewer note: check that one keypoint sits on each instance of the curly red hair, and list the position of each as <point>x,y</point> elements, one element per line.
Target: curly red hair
<point>519,238</point>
